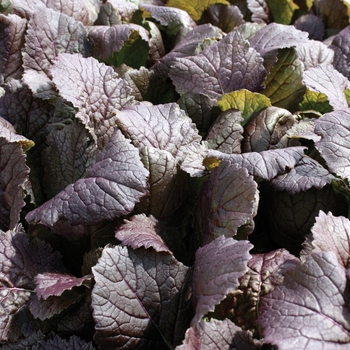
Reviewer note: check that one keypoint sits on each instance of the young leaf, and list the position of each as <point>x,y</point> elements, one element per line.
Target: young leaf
<point>260,10</point>
<point>111,188</point>
<point>228,200</point>
<point>142,231</point>
<point>140,299</point>
<point>282,11</point>
<point>217,269</point>
<point>314,291</point>
<point>246,101</point>
<point>225,66</point>
<point>340,46</point>
<point>95,89</point>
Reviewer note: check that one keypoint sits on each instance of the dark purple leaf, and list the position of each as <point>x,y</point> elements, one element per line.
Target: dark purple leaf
<point>265,272</point>
<point>326,79</point>
<point>334,146</point>
<point>229,200</point>
<point>106,15</point>
<point>45,309</point>
<point>225,135</point>
<point>58,343</point>
<point>265,164</point>
<point>223,16</point>
<point>95,89</point>
<point>223,335</point>
<point>24,343</point>
<point>69,154</point>
<point>309,310</point>
<point>217,269</point>
<point>50,33</point>
<point>54,284</point>
<point>80,10</point>
<point>12,30</point>
<point>341,46</point>
<point>201,109</point>
<point>167,185</point>
<point>311,24</point>
<point>142,231</point>
<point>193,43</point>
<point>107,41</point>
<point>112,187</point>
<point>141,299</point>
<point>268,130</point>
<point>308,173</point>
<point>225,66</point>
<point>288,218</point>
<point>260,10</point>
<point>330,233</point>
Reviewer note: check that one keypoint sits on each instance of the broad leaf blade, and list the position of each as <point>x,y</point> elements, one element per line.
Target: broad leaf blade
<point>95,89</point>
<point>151,299</point>
<point>217,269</point>
<point>315,290</point>
<point>112,187</point>
<point>223,67</point>
<point>222,211</point>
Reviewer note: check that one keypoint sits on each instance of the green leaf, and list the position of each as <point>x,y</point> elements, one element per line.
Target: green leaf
<point>317,101</point>
<point>284,84</point>
<point>245,101</point>
<point>282,10</point>
<point>195,8</point>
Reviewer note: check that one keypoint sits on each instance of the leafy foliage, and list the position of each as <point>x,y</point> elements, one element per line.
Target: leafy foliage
<point>174,174</point>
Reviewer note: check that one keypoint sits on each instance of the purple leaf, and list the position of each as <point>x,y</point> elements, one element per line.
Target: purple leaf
<point>107,15</point>
<point>58,343</point>
<point>69,154</point>
<point>341,45</point>
<point>217,269</point>
<point>225,134</point>
<point>12,30</point>
<point>111,188</point>
<point>142,231</point>
<point>44,309</point>
<point>223,335</point>
<point>334,146</point>
<point>307,174</point>
<point>141,299</point>
<point>192,44</point>
<point>265,272</point>
<point>108,40</point>
<point>276,36</point>
<point>167,186</point>
<point>330,233</point>
<point>225,66</point>
<point>165,127</point>
<point>268,130</point>
<point>95,89</point>
<point>311,24</point>
<point>310,309</point>
<point>260,10</point>
<point>50,33</point>
<point>326,79</point>
<point>265,164</point>
<point>82,11</point>
<point>54,284</point>
<point>228,200</point>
